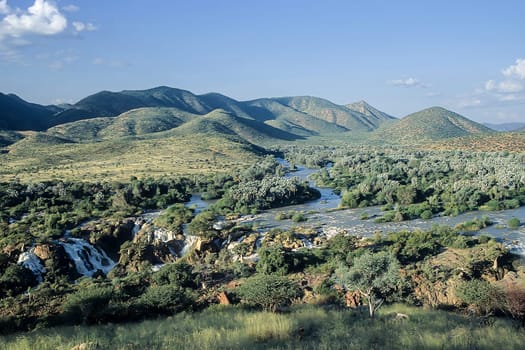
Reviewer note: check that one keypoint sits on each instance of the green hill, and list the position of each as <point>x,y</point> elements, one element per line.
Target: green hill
<point>221,122</point>
<point>329,112</point>
<point>8,137</point>
<point>288,119</point>
<point>373,115</point>
<point>299,116</point>
<point>149,120</point>
<point>435,123</point>
<point>111,104</point>
<point>17,114</point>
<point>138,121</point>
<point>44,157</point>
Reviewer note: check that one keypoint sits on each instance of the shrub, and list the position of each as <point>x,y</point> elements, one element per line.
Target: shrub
<point>298,217</point>
<point>514,223</point>
<point>426,215</point>
<point>167,299</point>
<point>515,303</point>
<point>179,274</point>
<point>268,291</point>
<point>87,303</point>
<point>481,296</point>
<point>15,280</point>
<point>274,260</point>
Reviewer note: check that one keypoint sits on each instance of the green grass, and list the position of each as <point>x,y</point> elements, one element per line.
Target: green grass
<point>37,160</point>
<point>306,327</point>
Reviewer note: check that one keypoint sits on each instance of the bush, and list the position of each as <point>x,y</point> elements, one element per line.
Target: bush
<point>481,296</point>
<point>426,215</point>
<point>298,217</point>
<point>87,304</point>
<point>179,274</point>
<point>274,260</point>
<point>514,223</point>
<point>167,299</point>
<point>268,291</point>
<point>15,280</point>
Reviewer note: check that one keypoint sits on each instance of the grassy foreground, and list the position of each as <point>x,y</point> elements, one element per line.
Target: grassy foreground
<point>306,327</point>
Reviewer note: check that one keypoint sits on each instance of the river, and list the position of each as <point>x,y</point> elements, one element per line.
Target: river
<point>322,214</point>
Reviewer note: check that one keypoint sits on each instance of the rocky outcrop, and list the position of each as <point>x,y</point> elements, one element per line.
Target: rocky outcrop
<point>134,256</point>
<point>109,234</point>
<point>436,294</point>
<point>353,299</point>
<point>56,260</point>
<point>223,298</point>
<point>43,251</point>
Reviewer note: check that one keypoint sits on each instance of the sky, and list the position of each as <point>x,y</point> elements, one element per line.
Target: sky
<point>400,56</point>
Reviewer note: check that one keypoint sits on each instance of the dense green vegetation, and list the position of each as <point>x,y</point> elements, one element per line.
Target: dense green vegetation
<point>413,184</point>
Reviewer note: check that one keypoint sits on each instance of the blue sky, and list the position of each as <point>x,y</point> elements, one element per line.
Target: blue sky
<point>400,56</point>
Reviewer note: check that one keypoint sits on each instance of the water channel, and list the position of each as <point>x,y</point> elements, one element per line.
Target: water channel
<point>323,215</point>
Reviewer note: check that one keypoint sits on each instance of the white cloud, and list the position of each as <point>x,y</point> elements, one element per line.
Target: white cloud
<point>81,26</point>
<point>70,8</point>
<point>516,70</point>
<point>42,18</point>
<point>4,9</point>
<point>408,82</point>
<point>505,86</point>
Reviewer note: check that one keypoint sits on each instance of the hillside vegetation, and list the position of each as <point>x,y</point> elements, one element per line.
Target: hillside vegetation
<point>44,157</point>
<point>430,124</point>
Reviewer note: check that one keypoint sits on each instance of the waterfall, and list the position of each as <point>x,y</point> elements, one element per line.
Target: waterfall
<point>189,242</point>
<point>32,262</point>
<point>517,248</point>
<point>88,259</point>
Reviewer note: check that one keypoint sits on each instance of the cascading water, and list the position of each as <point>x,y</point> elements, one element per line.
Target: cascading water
<point>32,262</point>
<point>189,242</point>
<point>87,259</point>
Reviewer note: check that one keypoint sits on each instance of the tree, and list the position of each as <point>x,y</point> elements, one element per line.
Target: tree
<point>268,291</point>
<point>374,276</point>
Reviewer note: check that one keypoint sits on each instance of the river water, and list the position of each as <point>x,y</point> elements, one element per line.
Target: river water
<point>323,215</point>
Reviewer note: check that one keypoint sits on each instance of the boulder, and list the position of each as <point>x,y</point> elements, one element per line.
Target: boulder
<point>43,251</point>
<point>223,299</point>
<point>353,299</point>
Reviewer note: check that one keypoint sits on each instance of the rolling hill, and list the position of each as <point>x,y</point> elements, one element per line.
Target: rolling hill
<point>506,126</point>
<point>17,114</point>
<point>374,116</point>
<point>329,112</point>
<point>286,118</point>
<point>171,121</point>
<point>431,124</point>
<point>299,116</point>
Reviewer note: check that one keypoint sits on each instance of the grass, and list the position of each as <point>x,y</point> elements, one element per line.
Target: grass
<point>305,327</point>
<point>121,158</point>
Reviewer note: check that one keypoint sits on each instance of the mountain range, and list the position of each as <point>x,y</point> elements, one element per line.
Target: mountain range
<point>166,111</point>
<point>506,126</point>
